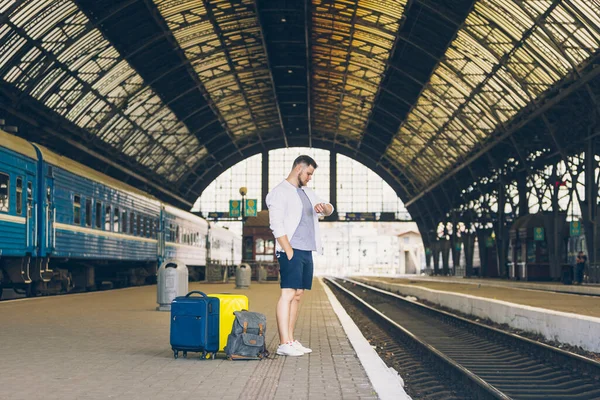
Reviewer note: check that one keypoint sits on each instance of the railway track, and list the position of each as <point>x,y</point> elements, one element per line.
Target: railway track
<point>442,349</point>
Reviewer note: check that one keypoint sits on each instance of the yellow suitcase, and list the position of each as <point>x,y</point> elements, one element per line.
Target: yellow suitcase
<point>228,304</point>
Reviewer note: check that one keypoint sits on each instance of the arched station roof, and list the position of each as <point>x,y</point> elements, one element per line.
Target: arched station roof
<point>170,93</point>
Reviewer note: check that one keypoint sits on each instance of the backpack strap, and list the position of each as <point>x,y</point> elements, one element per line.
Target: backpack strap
<point>260,329</point>
<point>245,326</point>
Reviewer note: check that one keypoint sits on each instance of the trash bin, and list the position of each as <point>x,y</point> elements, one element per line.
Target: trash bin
<point>172,282</point>
<point>243,275</point>
<point>262,273</point>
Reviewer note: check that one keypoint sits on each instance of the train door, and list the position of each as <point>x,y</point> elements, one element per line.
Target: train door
<point>30,220</point>
<point>49,215</point>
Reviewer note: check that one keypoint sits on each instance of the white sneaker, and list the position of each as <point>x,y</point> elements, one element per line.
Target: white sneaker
<point>287,349</point>
<point>298,346</point>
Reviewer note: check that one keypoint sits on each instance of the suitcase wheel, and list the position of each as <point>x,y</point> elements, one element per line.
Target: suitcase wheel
<point>175,354</point>
<point>212,356</point>
<point>185,354</point>
<point>204,355</point>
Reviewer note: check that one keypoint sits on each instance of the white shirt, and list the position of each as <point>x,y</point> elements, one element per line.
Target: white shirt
<point>285,212</point>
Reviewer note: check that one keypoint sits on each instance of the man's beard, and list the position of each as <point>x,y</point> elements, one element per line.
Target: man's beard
<point>300,183</point>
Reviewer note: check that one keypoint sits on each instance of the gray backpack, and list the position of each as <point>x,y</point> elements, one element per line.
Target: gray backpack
<point>247,338</point>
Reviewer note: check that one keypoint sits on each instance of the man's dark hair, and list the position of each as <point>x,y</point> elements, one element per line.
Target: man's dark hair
<point>307,160</point>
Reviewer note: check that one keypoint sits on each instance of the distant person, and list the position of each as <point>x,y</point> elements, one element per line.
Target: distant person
<point>294,211</point>
<point>579,267</point>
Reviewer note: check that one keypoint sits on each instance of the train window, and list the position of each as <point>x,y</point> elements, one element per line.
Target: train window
<point>29,199</point>
<point>4,197</point>
<point>107,219</point>
<point>124,221</point>
<point>151,227</point>
<point>132,224</point>
<point>19,195</point>
<point>145,227</point>
<point>116,217</point>
<point>98,215</point>
<point>177,237</point>
<point>171,233</point>
<point>88,212</point>
<point>139,225</point>
<point>77,210</point>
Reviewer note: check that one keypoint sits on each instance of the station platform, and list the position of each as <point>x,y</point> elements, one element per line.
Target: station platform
<point>114,345</point>
<point>538,308</point>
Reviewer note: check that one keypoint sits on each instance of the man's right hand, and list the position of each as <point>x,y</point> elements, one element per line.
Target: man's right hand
<point>290,254</point>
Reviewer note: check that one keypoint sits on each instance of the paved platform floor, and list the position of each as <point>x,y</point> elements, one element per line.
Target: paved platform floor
<point>509,291</point>
<point>114,345</point>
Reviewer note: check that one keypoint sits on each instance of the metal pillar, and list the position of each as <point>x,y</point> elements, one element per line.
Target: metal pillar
<point>501,231</point>
<point>589,209</point>
<point>333,184</point>
<point>265,178</point>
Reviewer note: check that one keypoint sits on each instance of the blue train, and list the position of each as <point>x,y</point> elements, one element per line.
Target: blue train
<point>65,226</point>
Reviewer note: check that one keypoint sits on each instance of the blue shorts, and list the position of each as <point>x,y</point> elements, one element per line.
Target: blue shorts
<point>296,273</point>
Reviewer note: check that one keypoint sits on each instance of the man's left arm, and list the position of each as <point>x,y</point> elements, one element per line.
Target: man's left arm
<point>324,209</point>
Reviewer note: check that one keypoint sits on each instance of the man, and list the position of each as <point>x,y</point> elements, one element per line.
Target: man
<point>580,266</point>
<point>294,211</point>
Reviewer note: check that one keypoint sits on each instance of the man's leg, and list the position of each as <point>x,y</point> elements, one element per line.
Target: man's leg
<point>283,314</point>
<point>294,307</point>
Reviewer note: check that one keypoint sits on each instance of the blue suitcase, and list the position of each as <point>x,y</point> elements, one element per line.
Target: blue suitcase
<point>195,324</point>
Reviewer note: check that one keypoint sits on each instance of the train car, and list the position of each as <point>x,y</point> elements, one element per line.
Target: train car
<point>185,238</point>
<point>94,224</point>
<point>18,229</point>
<point>225,246</point>
<point>65,226</point>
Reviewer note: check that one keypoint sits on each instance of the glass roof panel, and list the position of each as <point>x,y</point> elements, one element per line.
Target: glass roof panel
<point>351,43</point>
<point>222,39</point>
<point>505,55</point>
<point>52,52</point>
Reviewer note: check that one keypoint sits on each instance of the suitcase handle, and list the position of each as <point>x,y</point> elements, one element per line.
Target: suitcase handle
<point>197,292</point>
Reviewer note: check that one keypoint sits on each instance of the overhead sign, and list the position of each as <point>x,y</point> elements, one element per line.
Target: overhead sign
<point>361,216</point>
<point>575,229</point>
<point>538,233</point>
<point>235,208</point>
<point>217,215</point>
<point>251,208</point>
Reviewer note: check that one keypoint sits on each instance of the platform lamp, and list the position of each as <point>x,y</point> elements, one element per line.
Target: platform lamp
<point>243,191</point>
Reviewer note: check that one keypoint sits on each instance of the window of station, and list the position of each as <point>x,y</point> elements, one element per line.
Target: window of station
<point>116,217</point>
<point>77,210</point>
<point>19,195</point>
<point>4,192</point>
<point>107,219</point>
<point>132,224</point>
<point>124,221</point>
<point>226,187</point>
<point>98,219</point>
<point>88,212</point>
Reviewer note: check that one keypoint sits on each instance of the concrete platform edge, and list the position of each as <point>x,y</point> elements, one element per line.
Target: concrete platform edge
<point>386,381</point>
<point>574,290</point>
<point>573,329</point>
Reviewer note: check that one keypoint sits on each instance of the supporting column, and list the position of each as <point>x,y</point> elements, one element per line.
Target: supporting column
<point>436,249</point>
<point>501,232</point>
<point>588,206</point>
<point>333,184</point>
<point>445,247</point>
<point>555,244</point>
<point>522,189</point>
<point>468,240</point>
<point>265,178</point>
